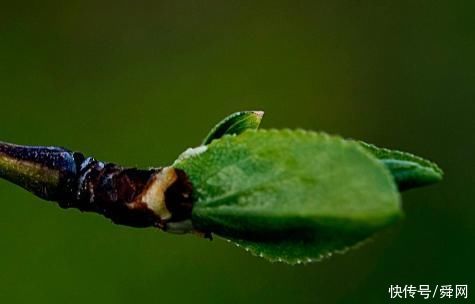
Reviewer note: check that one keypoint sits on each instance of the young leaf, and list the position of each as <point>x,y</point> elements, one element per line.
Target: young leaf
<point>408,170</point>
<point>290,196</point>
<point>235,124</point>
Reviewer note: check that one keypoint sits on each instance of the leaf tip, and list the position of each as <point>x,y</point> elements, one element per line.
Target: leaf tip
<point>259,114</point>
<point>235,124</point>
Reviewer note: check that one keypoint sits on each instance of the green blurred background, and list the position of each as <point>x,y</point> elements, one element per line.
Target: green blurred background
<point>139,82</point>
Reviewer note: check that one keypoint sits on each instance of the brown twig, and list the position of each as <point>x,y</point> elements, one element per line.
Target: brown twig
<point>160,197</point>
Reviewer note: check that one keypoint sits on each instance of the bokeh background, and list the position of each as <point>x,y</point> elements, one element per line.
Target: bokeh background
<point>138,82</point>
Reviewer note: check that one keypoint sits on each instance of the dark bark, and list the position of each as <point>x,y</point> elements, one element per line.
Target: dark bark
<point>57,174</point>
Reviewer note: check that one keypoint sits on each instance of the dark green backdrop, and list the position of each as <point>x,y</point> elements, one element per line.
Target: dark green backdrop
<point>139,82</point>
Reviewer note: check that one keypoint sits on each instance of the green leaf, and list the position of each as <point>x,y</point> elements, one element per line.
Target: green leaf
<point>409,171</point>
<point>235,124</point>
<point>290,196</point>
